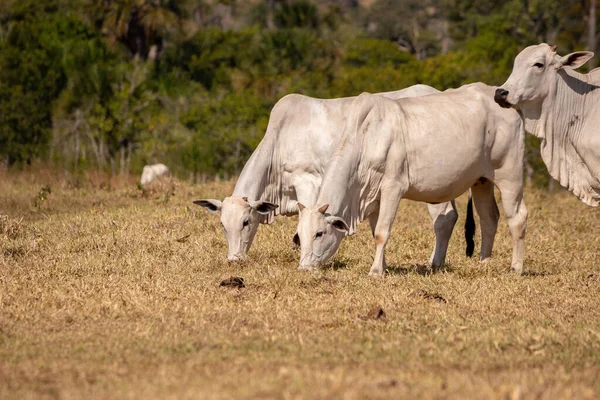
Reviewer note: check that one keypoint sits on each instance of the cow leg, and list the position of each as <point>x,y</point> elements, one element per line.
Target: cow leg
<point>390,199</point>
<point>373,221</point>
<point>516,213</point>
<point>487,209</point>
<point>444,216</point>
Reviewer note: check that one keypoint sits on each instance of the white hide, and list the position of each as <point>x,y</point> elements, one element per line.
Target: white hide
<point>429,149</point>
<point>561,107</point>
<point>152,172</point>
<point>288,165</point>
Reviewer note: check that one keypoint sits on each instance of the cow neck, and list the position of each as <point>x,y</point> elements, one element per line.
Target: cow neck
<point>253,179</point>
<point>261,179</point>
<point>340,187</point>
<point>559,123</point>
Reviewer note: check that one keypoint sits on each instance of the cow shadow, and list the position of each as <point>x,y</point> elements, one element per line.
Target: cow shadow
<point>419,269</point>
<point>337,265</point>
<point>537,274</point>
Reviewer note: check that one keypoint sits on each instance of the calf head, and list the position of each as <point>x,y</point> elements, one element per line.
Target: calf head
<point>240,219</point>
<point>534,75</point>
<point>319,235</point>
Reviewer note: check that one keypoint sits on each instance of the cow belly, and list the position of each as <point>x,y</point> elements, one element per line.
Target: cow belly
<point>436,185</point>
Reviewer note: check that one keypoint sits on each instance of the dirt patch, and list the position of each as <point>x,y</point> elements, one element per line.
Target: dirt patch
<point>233,282</point>
<point>375,313</point>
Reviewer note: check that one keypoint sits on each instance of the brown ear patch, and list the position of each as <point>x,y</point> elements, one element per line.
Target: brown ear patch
<point>323,208</point>
<point>553,48</point>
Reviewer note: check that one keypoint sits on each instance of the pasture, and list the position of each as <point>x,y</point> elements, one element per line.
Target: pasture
<point>110,291</point>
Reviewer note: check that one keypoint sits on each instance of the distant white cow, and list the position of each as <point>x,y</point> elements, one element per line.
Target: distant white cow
<point>429,149</point>
<point>562,108</point>
<point>288,166</point>
<point>152,172</point>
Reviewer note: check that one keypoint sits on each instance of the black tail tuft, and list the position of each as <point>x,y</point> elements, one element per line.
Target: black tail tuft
<point>470,228</point>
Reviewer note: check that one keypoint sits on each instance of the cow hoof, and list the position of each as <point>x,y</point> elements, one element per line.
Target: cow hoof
<point>306,268</point>
<point>376,272</point>
<point>517,270</point>
<point>485,261</point>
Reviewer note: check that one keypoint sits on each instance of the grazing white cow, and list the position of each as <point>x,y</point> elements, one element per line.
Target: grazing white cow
<point>428,149</point>
<point>152,172</point>
<point>562,108</point>
<point>288,165</point>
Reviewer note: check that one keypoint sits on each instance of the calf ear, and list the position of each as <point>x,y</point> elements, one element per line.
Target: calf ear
<point>212,205</point>
<point>338,224</point>
<point>576,59</point>
<point>296,240</point>
<point>263,207</point>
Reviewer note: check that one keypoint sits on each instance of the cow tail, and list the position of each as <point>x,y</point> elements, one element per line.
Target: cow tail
<point>470,227</point>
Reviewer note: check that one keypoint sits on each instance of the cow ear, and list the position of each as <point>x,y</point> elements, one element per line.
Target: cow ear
<point>263,207</point>
<point>338,224</point>
<point>212,205</point>
<point>576,59</point>
<point>301,207</point>
<point>323,208</point>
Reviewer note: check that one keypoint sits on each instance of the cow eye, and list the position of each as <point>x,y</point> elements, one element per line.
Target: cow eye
<point>245,222</point>
<point>319,234</point>
<point>538,65</point>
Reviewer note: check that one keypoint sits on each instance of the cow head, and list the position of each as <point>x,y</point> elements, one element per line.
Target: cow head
<point>240,219</point>
<point>319,235</point>
<point>534,75</point>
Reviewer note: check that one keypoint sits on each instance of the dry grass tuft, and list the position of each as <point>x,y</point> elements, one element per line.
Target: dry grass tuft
<point>12,228</point>
<point>111,291</point>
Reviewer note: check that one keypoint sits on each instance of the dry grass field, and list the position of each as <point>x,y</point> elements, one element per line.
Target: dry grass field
<point>108,291</point>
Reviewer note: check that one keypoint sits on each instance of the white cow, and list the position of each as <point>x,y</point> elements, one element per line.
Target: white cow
<point>562,108</point>
<point>288,166</point>
<point>427,149</point>
<point>152,172</point>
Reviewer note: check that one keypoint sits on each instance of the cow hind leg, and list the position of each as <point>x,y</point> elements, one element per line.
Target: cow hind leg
<point>444,216</point>
<point>487,209</point>
<point>516,213</point>
<point>390,199</point>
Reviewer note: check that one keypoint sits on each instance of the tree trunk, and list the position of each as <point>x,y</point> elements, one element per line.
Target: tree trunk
<point>122,163</point>
<point>592,32</point>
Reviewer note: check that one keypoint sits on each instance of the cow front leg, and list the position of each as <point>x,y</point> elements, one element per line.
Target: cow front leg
<point>390,199</point>
<point>516,213</point>
<point>373,217</point>
<point>444,216</point>
<point>487,209</point>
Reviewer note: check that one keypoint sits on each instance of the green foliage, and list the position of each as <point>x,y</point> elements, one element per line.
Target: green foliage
<point>118,84</point>
<point>30,80</point>
<point>374,53</point>
<point>225,132</point>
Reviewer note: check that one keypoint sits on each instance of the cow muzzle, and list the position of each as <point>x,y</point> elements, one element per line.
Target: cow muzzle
<point>501,96</point>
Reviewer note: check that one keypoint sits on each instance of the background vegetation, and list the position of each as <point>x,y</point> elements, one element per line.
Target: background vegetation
<point>116,84</point>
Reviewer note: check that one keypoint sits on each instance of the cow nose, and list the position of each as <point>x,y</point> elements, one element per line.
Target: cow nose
<point>501,93</point>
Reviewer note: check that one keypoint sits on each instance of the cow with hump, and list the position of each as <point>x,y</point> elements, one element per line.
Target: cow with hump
<point>429,149</point>
<point>561,107</point>
<point>288,165</point>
